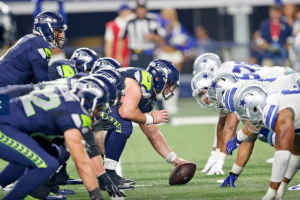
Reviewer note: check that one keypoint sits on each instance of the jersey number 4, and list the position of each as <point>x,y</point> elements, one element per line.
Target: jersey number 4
<point>28,100</point>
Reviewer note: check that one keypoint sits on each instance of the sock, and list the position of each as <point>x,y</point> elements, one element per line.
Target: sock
<point>115,145</point>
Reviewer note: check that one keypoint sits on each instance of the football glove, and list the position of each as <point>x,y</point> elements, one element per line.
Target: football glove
<point>217,168</point>
<point>211,160</point>
<point>232,144</point>
<point>106,184</point>
<point>229,181</point>
<point>101,124</point>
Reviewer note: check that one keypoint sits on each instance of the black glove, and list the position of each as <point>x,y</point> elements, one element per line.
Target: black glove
<point>106,184</point>
<point>100,124</point>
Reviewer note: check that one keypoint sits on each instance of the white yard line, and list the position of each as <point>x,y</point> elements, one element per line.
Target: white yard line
<point>119,172</point>
<point>177,121</point>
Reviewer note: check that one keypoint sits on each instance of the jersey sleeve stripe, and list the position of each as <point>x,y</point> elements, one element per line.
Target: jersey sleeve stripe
<point>269,116</point>
<point>233,90</point>
<point>274,117</point>
<point>226,100</point>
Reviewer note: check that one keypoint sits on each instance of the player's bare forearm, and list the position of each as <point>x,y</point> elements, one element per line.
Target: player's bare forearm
<point>244,153</point>
<point>157,139</point>
<point>229,130</point>
<point>83,164</point>
<point>97,164</point>
<point>220,127</point>
<point>99,140</point>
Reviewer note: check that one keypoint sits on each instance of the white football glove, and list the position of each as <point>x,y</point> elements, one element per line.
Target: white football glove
<point>211,160</point>
<point>217,168</point>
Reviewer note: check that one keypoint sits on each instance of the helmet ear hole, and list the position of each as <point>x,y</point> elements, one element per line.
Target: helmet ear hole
<point>255,110</point>
<point>157,78</point>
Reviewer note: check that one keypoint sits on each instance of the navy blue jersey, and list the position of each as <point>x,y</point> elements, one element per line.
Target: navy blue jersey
<point>47,113</point>
<point>16,63</point>
<point>62,69</point>
<point>20,90</point>
<point>144,80</point>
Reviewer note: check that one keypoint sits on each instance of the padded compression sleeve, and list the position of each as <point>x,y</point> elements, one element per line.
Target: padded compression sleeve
<point>92,149</point>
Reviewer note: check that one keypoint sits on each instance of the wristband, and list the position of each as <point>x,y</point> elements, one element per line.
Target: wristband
<point>149,119</point>
<point>96,194</point>
<point>241,136</point>
<point>237,169</point>
<point>171,157</point>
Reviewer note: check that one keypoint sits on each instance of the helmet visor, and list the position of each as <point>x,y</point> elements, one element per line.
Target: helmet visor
<point>168,90</point>
<point>60,38</point>
<point>202,99</point>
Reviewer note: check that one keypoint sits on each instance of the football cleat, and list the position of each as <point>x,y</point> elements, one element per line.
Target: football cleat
<point>65,192</point>
<point>126,181</point>
<point>53,196</point>
<point>9,187</point>
<point>73,181</point>
<point>119,183</point>
<point>270,160</point>
<point>295,188</point>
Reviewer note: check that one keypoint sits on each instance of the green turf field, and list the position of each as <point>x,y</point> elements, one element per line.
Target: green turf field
<point>141,163</point>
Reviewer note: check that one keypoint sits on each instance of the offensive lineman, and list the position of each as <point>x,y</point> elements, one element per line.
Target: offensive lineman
<point>143,87</point>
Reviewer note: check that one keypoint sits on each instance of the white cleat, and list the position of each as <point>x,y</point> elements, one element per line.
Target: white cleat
<point>270,160</point>
<point>295,188</point>
<point>9,187</point>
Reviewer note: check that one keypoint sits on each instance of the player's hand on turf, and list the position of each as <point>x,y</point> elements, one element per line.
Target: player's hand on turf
<point>160,116</point>
<point>232,144</point>
<point>229,181</point>
<point>217,168</point>
<point>179,161</point>
<point>106,184</point>
<point>211,160</point>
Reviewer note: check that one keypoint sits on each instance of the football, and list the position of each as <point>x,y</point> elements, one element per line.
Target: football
<point>182,174</point>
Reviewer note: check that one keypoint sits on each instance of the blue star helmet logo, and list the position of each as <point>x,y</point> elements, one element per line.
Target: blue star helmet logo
<point>204,60</point>
<point>243,103</point>
<point>205,76</point>
<point>215,85</point>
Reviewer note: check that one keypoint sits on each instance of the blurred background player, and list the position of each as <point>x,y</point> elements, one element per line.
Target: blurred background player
<point>143,32</point>
<point>112,30</point>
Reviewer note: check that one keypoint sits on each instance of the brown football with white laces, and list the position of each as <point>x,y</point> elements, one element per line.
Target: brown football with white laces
<point>182,174</point>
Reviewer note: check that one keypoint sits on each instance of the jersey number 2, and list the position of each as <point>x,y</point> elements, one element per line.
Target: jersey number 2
<point>28,100</point>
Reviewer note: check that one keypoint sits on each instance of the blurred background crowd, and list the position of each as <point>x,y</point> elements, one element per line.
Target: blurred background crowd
<point>264,32</point>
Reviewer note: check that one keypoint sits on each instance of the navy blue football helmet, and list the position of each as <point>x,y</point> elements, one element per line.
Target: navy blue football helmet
<point>92,93</point>
<point>165,77</point>
<point>112,89</point>
<point>84,59</point>
<point>105,63</point>
<point>46,23</point>
<point>116,77</point>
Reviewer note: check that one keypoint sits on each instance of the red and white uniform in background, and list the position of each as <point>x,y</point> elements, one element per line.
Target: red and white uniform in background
<point>111,34</point>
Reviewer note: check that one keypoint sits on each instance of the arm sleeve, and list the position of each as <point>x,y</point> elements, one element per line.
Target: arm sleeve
<point>40,69</point>
<point>92,149</point>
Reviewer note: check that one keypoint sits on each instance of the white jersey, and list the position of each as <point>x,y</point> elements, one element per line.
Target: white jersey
<point>270,85</point>
<point>243,70</point>
<point>278,101</point>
